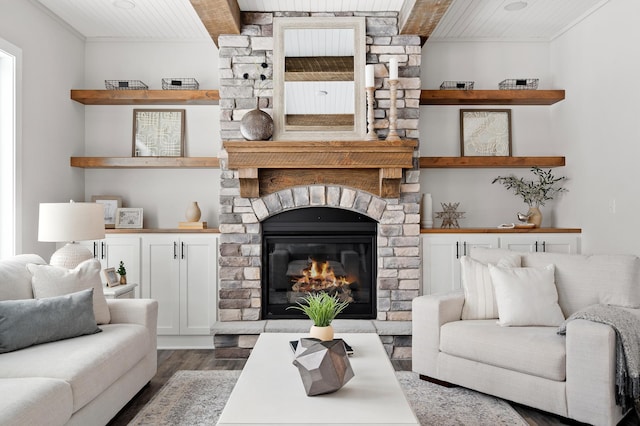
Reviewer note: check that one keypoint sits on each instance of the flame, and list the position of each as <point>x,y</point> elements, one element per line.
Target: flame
<point>319,276</point>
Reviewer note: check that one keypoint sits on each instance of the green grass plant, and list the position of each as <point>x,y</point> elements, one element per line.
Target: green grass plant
<point>320,307</point>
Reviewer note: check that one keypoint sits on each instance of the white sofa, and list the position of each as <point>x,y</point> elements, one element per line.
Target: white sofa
<point>83,380</point>
<point>572,376</point>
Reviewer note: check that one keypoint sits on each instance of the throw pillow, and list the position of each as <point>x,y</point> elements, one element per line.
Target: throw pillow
<point>479,296</point>
<point>526,296</point>
<point>50,281</point>
<point>29,322</point>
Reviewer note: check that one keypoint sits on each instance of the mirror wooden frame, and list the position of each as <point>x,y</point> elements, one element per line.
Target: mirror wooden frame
<point>319,132</point>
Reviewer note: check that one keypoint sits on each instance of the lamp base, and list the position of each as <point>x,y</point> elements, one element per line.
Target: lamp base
<point>70,256</point>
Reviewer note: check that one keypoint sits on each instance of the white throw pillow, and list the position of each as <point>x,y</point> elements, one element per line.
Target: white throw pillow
<point>526,296</point>
<point>479,296</point>
<point>52,281</point>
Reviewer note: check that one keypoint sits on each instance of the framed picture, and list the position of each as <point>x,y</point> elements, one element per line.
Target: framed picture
<point>111,203</point>
<point>485,132</point>
<point>112,277</point>
<point>158,132</point>
<point>129,218</point>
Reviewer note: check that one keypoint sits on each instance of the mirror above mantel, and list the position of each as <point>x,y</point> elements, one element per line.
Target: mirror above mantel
<point>318,74</point>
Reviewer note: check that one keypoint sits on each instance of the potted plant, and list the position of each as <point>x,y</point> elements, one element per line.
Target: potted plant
<point>534,193</point>
<point>122,272</point>
<point>321,308</point>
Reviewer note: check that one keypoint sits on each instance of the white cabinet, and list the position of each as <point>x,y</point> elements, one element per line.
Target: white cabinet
<point>549,243</point>
<point>115,248</point>
<point>441,255</point>
<point>180,272</point>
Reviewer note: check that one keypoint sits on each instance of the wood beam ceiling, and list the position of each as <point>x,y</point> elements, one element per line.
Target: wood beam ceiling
<point>218,16</point>
<point>420,17</point>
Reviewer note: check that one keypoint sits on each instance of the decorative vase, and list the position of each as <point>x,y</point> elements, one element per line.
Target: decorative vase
<point>123,279</point>
<point>535,216</point>
<point>193,212</point>
<point>256,125</point>
<point>427,211</point>
<point>322,333</point>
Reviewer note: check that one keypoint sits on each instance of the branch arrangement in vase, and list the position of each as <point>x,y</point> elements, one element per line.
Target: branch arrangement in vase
<point>534,193</point>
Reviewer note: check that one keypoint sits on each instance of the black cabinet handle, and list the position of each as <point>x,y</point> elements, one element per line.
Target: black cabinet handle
<point>544,246</point>
<point>536,246</point>
<point>95,249</point>
<point>175,247</point>
<point>182,250</point>
<point>457,250</point>
<point>103,249</point>
<point>464,246</point>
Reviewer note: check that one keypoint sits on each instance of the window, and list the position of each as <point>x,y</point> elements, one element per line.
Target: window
<point>9,152</point>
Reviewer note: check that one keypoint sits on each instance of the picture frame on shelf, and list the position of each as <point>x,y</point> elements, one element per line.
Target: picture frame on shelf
<point>112,277</point>
<point>485,132</point>
<point>129,218</point>
<point>158,132</point>
<point>111,203</point>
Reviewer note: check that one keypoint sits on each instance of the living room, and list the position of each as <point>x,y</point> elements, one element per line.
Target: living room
<point>589,59</point>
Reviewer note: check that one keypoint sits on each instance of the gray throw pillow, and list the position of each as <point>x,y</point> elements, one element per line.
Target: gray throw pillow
<point>30,322</point>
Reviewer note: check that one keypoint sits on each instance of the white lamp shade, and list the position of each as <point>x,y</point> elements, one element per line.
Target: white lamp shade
<point>70,222</point>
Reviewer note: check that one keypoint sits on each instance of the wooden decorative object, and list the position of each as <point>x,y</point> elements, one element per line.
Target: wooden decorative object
<point>449,215</point>
<point>393,112</point>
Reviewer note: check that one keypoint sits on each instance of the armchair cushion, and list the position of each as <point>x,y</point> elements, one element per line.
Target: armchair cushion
<point>526,296</point>
<point>479,295</point>
<point>50,281</point>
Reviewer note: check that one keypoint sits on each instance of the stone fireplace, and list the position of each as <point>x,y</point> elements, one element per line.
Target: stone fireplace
<point>377,181</point>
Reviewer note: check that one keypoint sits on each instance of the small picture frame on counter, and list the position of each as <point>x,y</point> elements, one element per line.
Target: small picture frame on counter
<point>112,277</point>
<point>129,218</point>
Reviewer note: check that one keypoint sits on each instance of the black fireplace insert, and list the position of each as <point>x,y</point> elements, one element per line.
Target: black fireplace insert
<point>319,249</point>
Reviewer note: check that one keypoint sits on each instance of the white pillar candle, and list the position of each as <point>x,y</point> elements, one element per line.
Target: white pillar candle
<point>393,69</point>
<point>369,76</point>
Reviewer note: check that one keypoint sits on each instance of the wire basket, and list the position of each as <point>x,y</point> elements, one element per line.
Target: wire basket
<point>125,85</point>
<point>180,84</point>
<point>456,85</point>
<point>518,84</point>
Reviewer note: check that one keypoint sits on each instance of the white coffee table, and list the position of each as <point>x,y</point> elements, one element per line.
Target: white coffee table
<point>270,391</point>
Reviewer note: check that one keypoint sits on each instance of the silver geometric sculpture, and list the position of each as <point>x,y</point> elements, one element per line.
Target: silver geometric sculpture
<point>324,367</point>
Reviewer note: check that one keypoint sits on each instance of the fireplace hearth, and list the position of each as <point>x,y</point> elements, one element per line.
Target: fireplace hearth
<point>319,249</point>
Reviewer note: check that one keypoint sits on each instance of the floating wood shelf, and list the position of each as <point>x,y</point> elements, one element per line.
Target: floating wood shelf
<point>268,167</point>
<point>145,162</point>
<point>489,162</point>
<point>146,97</point>
<point>490,97</point>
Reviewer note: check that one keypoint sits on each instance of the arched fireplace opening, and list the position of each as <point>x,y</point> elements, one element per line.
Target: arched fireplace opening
<point>319,249</point>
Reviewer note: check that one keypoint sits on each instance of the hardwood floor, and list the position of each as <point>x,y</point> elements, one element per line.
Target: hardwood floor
<point>170,361</point>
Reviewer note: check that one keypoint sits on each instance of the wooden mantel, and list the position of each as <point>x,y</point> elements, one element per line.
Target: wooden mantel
<point>266,167</point>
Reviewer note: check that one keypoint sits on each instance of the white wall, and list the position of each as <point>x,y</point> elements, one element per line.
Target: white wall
<point>598,65</point>
<point>52,124</point>
<point>486,64</point>
<point>163,193</point>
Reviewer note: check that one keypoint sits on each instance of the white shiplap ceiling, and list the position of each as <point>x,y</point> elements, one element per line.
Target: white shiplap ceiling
<point>541,20</point>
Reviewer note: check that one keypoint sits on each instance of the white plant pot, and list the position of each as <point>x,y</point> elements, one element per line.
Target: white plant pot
<point>322,333</point>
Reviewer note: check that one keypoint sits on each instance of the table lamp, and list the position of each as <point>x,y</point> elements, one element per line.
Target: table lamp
<point>70,222</point>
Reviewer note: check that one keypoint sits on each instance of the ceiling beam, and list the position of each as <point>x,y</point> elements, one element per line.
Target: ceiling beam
<point>218,16</point>
<point>420,17</point>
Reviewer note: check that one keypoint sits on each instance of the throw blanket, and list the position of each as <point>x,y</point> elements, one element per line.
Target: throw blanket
<point>627,328</point>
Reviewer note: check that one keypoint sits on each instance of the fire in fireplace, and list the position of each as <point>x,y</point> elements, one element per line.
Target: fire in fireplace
<point>318,249</point>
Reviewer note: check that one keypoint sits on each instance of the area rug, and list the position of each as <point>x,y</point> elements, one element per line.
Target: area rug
<point>192,398</point>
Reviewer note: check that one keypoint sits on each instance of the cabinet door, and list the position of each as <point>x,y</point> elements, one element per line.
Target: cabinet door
<point>441,259</point>
<point>439,263</point>
<point>161,279</point>
<point>550,243</point>
<point>198,284</point>
<point>127,250</point>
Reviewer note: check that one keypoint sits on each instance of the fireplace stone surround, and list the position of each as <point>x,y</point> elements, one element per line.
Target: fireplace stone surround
<point>398,218</point>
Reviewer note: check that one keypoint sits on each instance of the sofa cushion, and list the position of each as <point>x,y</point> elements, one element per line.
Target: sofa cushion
<point>30,322</point>
<point>538,351</point>
<point>49,281</point>
<point>479,295</point>
<point>583,280</point>
<point>526,296</point>
<point>15,279</point>
<point>90,364</point>
<point>35,401</point>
